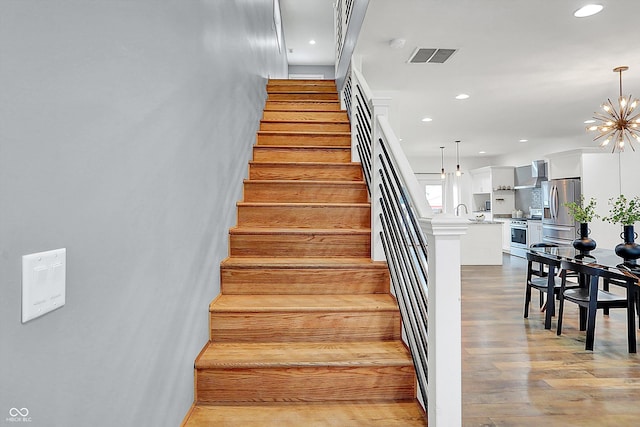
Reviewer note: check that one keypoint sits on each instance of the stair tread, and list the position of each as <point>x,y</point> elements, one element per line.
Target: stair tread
<point>302,132</point>
<point>304,354</point>
<point>342,262</point>
<point>307,164</point>
<point>304,182</point>
<point>303,147</point>
<point>371,414</point>
<point>293,230</point>
<point>300,204</point>
<point>315,122</point>
<point>275,109</point>
<point>303,303</point>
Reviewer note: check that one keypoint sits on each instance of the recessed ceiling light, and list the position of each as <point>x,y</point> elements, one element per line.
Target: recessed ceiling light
<point>427,119</point>
<point>588,10</point>
<point>482,152</point>
<point>312,42</point>
<point>589,121</point>
<point>462,96</point>
<point>524,140</point>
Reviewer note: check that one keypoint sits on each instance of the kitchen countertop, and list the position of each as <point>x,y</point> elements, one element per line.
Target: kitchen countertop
<point>484,222</point>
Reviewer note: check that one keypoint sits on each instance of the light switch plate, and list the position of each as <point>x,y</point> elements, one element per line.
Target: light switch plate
<point>43,283</point>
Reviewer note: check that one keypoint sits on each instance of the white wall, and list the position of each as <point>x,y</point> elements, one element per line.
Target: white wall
<point>126,131</point>
<point>327,71</point>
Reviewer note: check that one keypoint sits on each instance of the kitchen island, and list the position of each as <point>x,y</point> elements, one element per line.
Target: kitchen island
<point>482,244</point>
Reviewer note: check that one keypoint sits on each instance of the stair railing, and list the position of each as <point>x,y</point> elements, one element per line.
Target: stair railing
<point>422,251</point>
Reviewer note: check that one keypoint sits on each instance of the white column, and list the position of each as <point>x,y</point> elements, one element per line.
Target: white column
<point>444,388</point>
<point>380,108</point>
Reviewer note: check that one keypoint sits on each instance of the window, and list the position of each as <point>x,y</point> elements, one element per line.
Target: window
<point>434,196</point>
<point>433,189</point>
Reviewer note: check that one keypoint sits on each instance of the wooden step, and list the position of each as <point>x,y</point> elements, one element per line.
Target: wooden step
<point>256,242</point>
<point>303,95</point>
<point>306,171</point>
<point>305,191</point>
<point>304,215</point>
<point>296,138</point>
<point>270,125</point>
<point>302,106</point>
<point>296,318</point>
<point>340,414</point>
<point>271,372</point>
<point>306,82</point>
<point>306,276</point>
<point>283,153</point>
<point>306,116</point>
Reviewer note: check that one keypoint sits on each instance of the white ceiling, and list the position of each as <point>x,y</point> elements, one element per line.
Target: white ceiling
<point>533,71</point>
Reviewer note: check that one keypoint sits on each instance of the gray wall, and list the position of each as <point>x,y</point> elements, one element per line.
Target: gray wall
<point>125,131</point>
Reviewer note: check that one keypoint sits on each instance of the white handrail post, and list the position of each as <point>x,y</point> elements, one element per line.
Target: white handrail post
<point>380,107</point>
<point>355,157</point>
<point>444,389</point>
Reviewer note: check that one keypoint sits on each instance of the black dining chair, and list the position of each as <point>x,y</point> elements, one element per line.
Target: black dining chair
<point>541,275</point>
<point>590,298</point>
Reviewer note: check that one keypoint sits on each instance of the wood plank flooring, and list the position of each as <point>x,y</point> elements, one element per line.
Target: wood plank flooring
<point>516,373</point>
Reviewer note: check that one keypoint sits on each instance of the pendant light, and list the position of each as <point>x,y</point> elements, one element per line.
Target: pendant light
<point>458,172</point>
<point>619,125</point>
<point>442,175</point>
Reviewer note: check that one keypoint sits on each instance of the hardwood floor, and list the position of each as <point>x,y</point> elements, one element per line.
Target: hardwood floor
<point>516,373</point>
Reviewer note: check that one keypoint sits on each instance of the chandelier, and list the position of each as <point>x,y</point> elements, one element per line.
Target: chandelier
<point>618,125</point>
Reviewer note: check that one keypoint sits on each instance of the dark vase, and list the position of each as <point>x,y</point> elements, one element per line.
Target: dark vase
<point>629,250</point>
<point>584,244</point>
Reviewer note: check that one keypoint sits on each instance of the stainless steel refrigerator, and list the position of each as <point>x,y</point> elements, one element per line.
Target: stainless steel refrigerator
<point>557,226</point>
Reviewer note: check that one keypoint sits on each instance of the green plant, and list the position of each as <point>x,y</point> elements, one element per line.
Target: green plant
<point>623,211</point>
<point>581,213</point>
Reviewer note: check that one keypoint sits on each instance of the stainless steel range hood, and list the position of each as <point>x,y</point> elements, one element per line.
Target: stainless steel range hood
<point>530,176</point>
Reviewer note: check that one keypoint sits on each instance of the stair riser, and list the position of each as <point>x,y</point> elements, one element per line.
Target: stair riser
<point>305,126</point>
<point>302,96</point>
<point>301,106</point>
<point>300,245</point>
<point>298,82</point>
<point>307,281</point>
<point>292,192</point>
<point>289,216</point>
<point>303,140</point>
<point>305,384</point>
<point>305,326</point>
<point>296,154</point>
<point>347,172</point>
<point>306,116</point>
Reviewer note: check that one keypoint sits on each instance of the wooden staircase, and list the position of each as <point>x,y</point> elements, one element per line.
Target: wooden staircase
<point>305,331</point>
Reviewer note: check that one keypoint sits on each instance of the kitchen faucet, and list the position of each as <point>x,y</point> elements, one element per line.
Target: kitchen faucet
<point>466,210</point>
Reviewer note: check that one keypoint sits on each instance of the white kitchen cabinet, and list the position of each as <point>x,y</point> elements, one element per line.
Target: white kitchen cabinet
<point>480,245</point>
<point>506,233</point>
<point>564,165</point>
<point>534,231</point>
<point>488,181</point>
<point>481,181</point>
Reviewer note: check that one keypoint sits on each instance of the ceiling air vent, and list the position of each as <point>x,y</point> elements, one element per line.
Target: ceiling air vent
<point>430,55</point>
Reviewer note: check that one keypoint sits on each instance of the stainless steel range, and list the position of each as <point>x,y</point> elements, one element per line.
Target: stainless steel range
<point>519,233</point>
<point>519,241</point>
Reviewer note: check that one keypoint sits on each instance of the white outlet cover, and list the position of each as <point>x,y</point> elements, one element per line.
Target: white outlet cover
<point>43,283</point>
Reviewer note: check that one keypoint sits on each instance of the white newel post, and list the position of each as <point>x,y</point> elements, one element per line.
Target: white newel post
<point>444,388</point>
<point>380,108</point>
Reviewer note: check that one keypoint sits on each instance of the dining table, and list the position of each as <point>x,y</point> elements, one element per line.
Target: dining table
<point>601,258</point>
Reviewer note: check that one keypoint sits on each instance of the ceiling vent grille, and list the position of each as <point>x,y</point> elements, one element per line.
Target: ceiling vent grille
<point>430,55</point>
